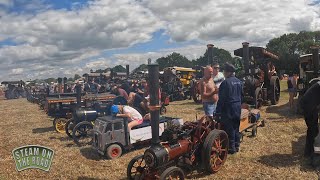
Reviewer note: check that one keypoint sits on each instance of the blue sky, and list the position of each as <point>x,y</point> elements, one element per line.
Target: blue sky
<point>51,38</point>
<point>160,40</point>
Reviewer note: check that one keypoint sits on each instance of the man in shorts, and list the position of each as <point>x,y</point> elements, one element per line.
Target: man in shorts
<point>207,89</point>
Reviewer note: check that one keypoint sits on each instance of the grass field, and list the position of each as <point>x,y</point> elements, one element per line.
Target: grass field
<point>276,152</point>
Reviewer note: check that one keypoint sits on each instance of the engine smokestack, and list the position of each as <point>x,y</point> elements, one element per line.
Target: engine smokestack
<point>210,53</point>
<point>65,84</point>
<point>315,58</point>
<point>245,56</point>
<point>59,85</point>
<point>78,91</point>
<point>154,101</point>
<point>127,71</point>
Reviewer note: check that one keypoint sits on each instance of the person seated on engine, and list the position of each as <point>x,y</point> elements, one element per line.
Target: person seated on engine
<point>271,70</point>
<point>134,117</point>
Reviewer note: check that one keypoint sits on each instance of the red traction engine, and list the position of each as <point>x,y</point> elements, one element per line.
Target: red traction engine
<point>199,145</point>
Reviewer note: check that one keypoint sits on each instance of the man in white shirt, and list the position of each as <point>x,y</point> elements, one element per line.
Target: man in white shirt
<point>218,77</point>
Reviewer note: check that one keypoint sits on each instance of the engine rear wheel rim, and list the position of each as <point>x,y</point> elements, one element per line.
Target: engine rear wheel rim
<point>219,153</point>
<point>60,125</point>
<point>139,168</point>
<point>115,152</point>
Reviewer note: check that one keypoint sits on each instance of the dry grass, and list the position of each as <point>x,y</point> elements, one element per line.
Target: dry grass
<point>276,153</point>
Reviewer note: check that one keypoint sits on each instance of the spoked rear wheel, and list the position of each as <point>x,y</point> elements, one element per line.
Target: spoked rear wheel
<point>258,99</point>
<point>82,133</point>
<point>172,173</point>
<point>216,150</point>
<point>136,168</point>
<point>274,90</point>
<point>69,127</point>
<point>59,124</point>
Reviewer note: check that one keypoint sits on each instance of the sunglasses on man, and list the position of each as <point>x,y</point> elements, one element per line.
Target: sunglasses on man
<point>216,67</point>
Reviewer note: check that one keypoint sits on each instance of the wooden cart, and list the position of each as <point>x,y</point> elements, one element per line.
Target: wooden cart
<point>250,121</point>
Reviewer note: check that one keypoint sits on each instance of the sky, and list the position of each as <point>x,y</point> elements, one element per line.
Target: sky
<point>58,38</point>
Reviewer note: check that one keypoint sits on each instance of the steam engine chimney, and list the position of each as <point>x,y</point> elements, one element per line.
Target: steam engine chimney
<point>210,53</point>
<point>315,58</point>
<point>154,101</point>
<point>78,91</point>
<point>59,85</point>
<point>65,84</point>
<point>127,71</point>
<point>245,56</point>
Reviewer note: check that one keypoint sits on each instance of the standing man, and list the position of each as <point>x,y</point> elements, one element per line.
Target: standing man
<point>229,107</point>
<point>218,77</point>
<point>309,103</point>
<point>207,89</point>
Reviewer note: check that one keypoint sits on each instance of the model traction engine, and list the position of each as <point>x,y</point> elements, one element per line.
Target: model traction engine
<point>194,145</point>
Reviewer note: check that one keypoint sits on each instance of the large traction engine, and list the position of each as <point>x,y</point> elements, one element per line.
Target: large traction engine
<point>199,145</point>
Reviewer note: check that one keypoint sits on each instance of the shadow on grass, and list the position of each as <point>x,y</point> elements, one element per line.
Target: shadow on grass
<point>90,153</point>
<point>66,138</point>
<point>42,130</point>
<point>87,178</point>
<point>288,160</point>
<point>283,110</point>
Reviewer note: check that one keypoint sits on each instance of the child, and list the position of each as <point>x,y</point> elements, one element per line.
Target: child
<point>135,118</point>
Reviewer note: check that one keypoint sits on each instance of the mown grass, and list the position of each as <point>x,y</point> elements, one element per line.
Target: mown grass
<point>276,152</point>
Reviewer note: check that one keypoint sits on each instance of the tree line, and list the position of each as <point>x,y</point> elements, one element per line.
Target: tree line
<point>288,47</point>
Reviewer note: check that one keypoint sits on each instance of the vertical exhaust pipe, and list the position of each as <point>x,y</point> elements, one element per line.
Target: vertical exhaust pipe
<point>315,58</point>
<point>127,71</point>
<point>78,91</point>
<point>210,53</point>
<point>111,74</point>
<point>47,91</point>
<point>59,85</point>
<point>154,101</point>
<point>65,84</point>
<point>245,56</point>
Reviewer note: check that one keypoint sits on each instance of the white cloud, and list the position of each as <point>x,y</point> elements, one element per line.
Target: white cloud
<point>16,71</point>
<point>255,21</point>
<point>62,42</point>
<point>62,38</point>
<point>6,3</point>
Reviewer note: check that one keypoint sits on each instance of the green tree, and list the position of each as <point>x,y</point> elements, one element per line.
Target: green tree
<point>290,46</point>
<point>142,67</point>
<point>220,55</point>
<point>76,76</point>
<point>49,80</point>
<point>119,68</point>
<point>174,59</point>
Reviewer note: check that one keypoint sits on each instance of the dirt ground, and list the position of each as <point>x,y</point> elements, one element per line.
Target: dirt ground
<point>276,152</point>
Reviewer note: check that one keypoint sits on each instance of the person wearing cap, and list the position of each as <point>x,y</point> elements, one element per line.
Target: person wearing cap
<point>134,117</point>
<point>228,109</point>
